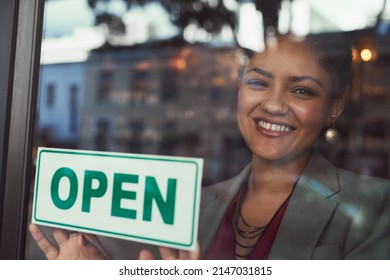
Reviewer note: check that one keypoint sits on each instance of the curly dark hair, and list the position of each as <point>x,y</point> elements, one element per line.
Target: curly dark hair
<point>335,53</point>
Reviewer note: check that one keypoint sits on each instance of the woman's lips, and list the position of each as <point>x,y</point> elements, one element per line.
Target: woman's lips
<point>276,128</point>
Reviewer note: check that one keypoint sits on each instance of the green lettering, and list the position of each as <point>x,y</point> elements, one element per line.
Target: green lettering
<point>67,203</point>
<point>152,192</point>
<point>118,194</point>
<point>88,193</point>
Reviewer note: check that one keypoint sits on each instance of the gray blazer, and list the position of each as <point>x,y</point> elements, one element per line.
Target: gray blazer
<point>332,214</point>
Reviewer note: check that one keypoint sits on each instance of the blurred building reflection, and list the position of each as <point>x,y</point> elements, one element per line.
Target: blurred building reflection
<point>60,104</point>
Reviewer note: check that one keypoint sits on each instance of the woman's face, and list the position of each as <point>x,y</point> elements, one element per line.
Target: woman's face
<point>284,100</point>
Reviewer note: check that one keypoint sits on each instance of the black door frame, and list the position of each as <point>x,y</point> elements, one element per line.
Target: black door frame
<point>21,24</point>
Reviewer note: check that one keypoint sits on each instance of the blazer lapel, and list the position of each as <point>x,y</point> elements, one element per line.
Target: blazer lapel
<point>308,211</point>
<point>215,201</point>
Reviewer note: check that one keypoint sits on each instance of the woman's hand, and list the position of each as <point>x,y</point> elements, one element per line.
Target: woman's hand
<point>82,246</point>
<point>71,245</point>
<point>172,254</point>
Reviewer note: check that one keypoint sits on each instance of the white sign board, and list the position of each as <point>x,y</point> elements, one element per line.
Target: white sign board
<point>144,198</point>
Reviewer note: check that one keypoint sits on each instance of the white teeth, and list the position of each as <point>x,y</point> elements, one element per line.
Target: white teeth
<point>274,127</point>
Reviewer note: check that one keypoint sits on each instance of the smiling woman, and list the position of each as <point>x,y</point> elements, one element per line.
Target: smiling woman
<point>291,203</point>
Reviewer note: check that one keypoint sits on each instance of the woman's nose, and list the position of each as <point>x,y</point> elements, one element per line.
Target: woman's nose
<point>274,103</point>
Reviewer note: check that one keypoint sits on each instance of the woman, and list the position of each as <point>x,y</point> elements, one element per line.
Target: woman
<point>289,203</point>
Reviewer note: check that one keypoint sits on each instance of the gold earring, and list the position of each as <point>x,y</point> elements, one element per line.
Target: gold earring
<point>332,135</point>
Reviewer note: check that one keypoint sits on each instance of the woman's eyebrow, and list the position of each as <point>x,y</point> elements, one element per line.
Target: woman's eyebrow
<point>269,75</point>
<point>303,78</point>
<point>261,71</point>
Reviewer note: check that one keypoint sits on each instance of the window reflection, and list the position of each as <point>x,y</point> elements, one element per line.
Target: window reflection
<point>51,90</point>
<point>171,97</point>
<point>73,108</point>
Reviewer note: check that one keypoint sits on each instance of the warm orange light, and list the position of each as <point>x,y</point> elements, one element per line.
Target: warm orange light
<point>180,64</point>
<point>144,65</point>
<point>355,54</point>
<point>366,55</point>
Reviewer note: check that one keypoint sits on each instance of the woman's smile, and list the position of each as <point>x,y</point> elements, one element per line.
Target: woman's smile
<point>273,128</point>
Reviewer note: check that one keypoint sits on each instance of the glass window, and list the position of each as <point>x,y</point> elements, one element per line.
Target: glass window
<point>50,99</point>
<point>150,77</point>
<point>73,108</point>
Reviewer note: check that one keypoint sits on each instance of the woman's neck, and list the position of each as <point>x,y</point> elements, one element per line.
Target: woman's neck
<point>273,177</point>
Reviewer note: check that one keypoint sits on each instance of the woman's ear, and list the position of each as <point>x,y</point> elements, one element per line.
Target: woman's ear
<point>337,108</point>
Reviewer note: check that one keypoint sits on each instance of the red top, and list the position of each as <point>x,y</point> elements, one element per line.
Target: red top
<point>222,245</point>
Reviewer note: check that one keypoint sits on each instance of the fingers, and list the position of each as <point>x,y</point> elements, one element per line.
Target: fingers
<point>72,245</point>
<point>190,255</point>
<point>90,247</point>
<point>169,253</point>
<point>90,250</point>
<point>145,255</point>
<point>96,242</point>
<point>173,254</point>
<point>43,243</point>
<point>60,235</point>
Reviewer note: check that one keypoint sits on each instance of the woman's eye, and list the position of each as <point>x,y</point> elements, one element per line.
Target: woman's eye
<point>255,84</point>
<point>304,92</point>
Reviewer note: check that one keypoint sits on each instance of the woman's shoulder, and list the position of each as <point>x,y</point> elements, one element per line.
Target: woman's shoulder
<point>343,182</point>
<point>359,191</point>
<point>364,187</point>
<point>352,181</point>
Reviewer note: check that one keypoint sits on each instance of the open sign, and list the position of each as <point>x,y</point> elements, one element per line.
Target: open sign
<point>150,199</point>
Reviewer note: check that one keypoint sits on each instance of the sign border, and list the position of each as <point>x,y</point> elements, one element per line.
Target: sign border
<point>126,156</point>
